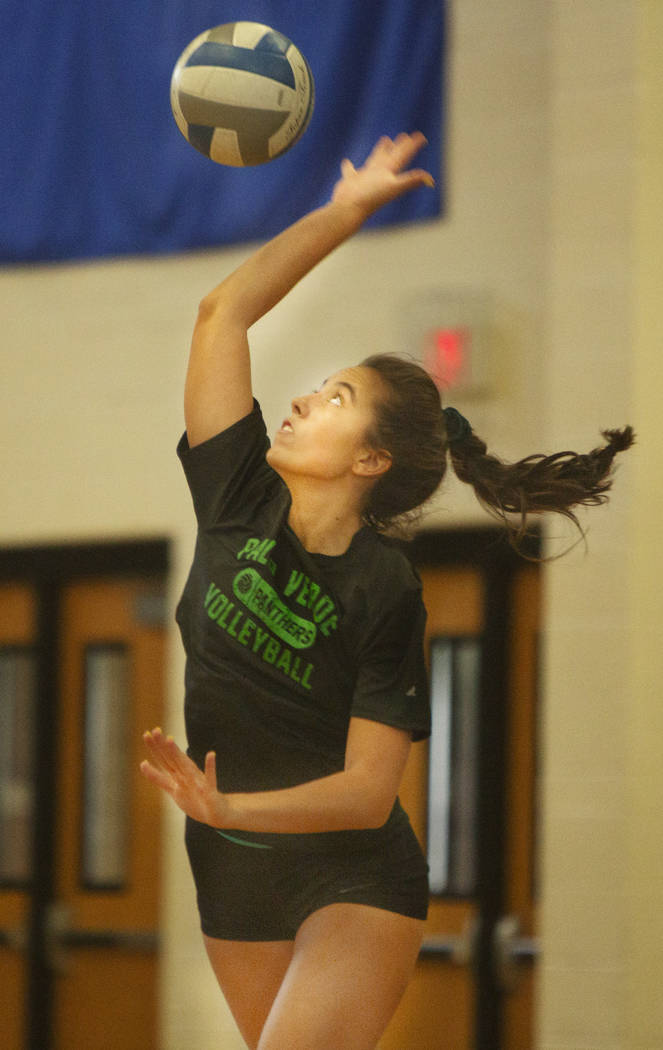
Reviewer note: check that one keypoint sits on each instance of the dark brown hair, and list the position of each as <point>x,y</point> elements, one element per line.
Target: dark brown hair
<point>410,425</point>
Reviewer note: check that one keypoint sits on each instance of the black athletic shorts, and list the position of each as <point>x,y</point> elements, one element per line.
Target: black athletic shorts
<point>249,893</point>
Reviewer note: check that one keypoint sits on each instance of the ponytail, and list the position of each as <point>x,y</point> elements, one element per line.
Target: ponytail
<point>538,484</point>
<point>418,434</point>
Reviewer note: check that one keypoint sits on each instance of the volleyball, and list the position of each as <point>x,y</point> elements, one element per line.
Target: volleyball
<point>242,93</point>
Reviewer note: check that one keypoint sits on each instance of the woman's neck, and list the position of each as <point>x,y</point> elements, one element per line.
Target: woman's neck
<point>322,526</point>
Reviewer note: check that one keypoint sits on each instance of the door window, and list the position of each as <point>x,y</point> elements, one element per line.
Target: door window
<point>455,669</point>
<point>17,713</point>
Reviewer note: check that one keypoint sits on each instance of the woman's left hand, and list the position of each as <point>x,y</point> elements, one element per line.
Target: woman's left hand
<point>194,790</point>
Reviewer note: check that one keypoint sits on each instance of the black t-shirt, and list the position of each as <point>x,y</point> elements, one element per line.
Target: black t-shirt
<point>283,646</point>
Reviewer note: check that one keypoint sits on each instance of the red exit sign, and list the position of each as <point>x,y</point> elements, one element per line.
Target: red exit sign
<point>447,357</point>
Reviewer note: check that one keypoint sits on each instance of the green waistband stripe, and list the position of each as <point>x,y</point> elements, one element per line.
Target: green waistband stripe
<point>243,842</point>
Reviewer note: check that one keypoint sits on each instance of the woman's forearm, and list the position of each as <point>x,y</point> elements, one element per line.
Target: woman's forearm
<point>260,282</point>
<point>276,267</point>
<point>337,802</point>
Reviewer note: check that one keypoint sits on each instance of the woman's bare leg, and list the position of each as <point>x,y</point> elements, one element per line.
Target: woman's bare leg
<point>350,967</point>
<point>250,974</point>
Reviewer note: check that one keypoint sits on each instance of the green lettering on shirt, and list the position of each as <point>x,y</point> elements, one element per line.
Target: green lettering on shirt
<point>261,599</point>
<point>235,622</point>
<point>256,550</point>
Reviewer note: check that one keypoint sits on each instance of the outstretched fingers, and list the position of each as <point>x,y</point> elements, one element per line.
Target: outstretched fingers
<point>415,177</point>
<point>157,769</point>
<point>164,751</point>
<point>385,175</point>
<point>392,157</point>
<point>194,790</point>
<point>169,767</point>
<point>396,154</point>
<point>210,769</point>
<point>404,149</point>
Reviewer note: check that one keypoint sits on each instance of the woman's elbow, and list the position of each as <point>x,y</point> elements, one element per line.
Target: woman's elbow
<point>211,305</point>
<point>373,812</point>
<point>224,306</point>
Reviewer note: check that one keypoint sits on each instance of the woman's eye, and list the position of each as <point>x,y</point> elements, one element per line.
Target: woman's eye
<point>336,399</point>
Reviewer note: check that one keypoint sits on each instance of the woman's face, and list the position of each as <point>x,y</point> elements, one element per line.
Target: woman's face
<point>325,436</point>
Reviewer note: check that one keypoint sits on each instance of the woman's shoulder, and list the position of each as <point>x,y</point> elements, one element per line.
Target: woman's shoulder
<point>248,430</point>
<point>387,562</point>
<point>228,473</point>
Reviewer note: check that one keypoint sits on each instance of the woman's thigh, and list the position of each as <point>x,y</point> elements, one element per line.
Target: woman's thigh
<point>250,974</point>
<point>350,966</point>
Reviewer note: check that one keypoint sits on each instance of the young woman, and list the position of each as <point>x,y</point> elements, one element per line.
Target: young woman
<point>303,629</point>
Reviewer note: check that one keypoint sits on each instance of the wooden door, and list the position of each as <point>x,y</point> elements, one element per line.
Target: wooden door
<point>103,922</point>
<point>473,987</point>
<point>85,971</point>
<point>439,1008</point>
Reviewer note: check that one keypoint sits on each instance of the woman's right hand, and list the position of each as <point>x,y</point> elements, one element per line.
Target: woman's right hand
<point>193,789</point>
<point>384,176</point>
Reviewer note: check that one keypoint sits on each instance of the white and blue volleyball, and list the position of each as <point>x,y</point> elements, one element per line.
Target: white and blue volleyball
<point>242,93</point>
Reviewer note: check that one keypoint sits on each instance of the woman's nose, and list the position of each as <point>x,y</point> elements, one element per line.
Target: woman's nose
<point>300,405</point>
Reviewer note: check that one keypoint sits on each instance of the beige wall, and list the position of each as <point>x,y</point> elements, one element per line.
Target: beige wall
<point>602,928</point>
<point>589,336</point>
<point>553,212</point>
<point>644,916</point>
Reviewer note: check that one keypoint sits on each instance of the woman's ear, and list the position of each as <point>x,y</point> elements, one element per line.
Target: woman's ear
<point>372,462</point>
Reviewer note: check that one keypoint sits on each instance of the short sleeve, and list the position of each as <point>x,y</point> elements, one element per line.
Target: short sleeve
<point>227,473</point>
<point>392,683</point>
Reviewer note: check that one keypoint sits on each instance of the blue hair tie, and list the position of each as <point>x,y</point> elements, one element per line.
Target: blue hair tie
<point>457,427</point>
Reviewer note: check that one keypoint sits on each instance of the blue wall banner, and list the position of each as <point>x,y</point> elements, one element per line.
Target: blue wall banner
<point>94,164</point>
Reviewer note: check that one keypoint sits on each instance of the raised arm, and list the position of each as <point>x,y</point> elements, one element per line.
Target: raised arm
<point>218,385</point>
